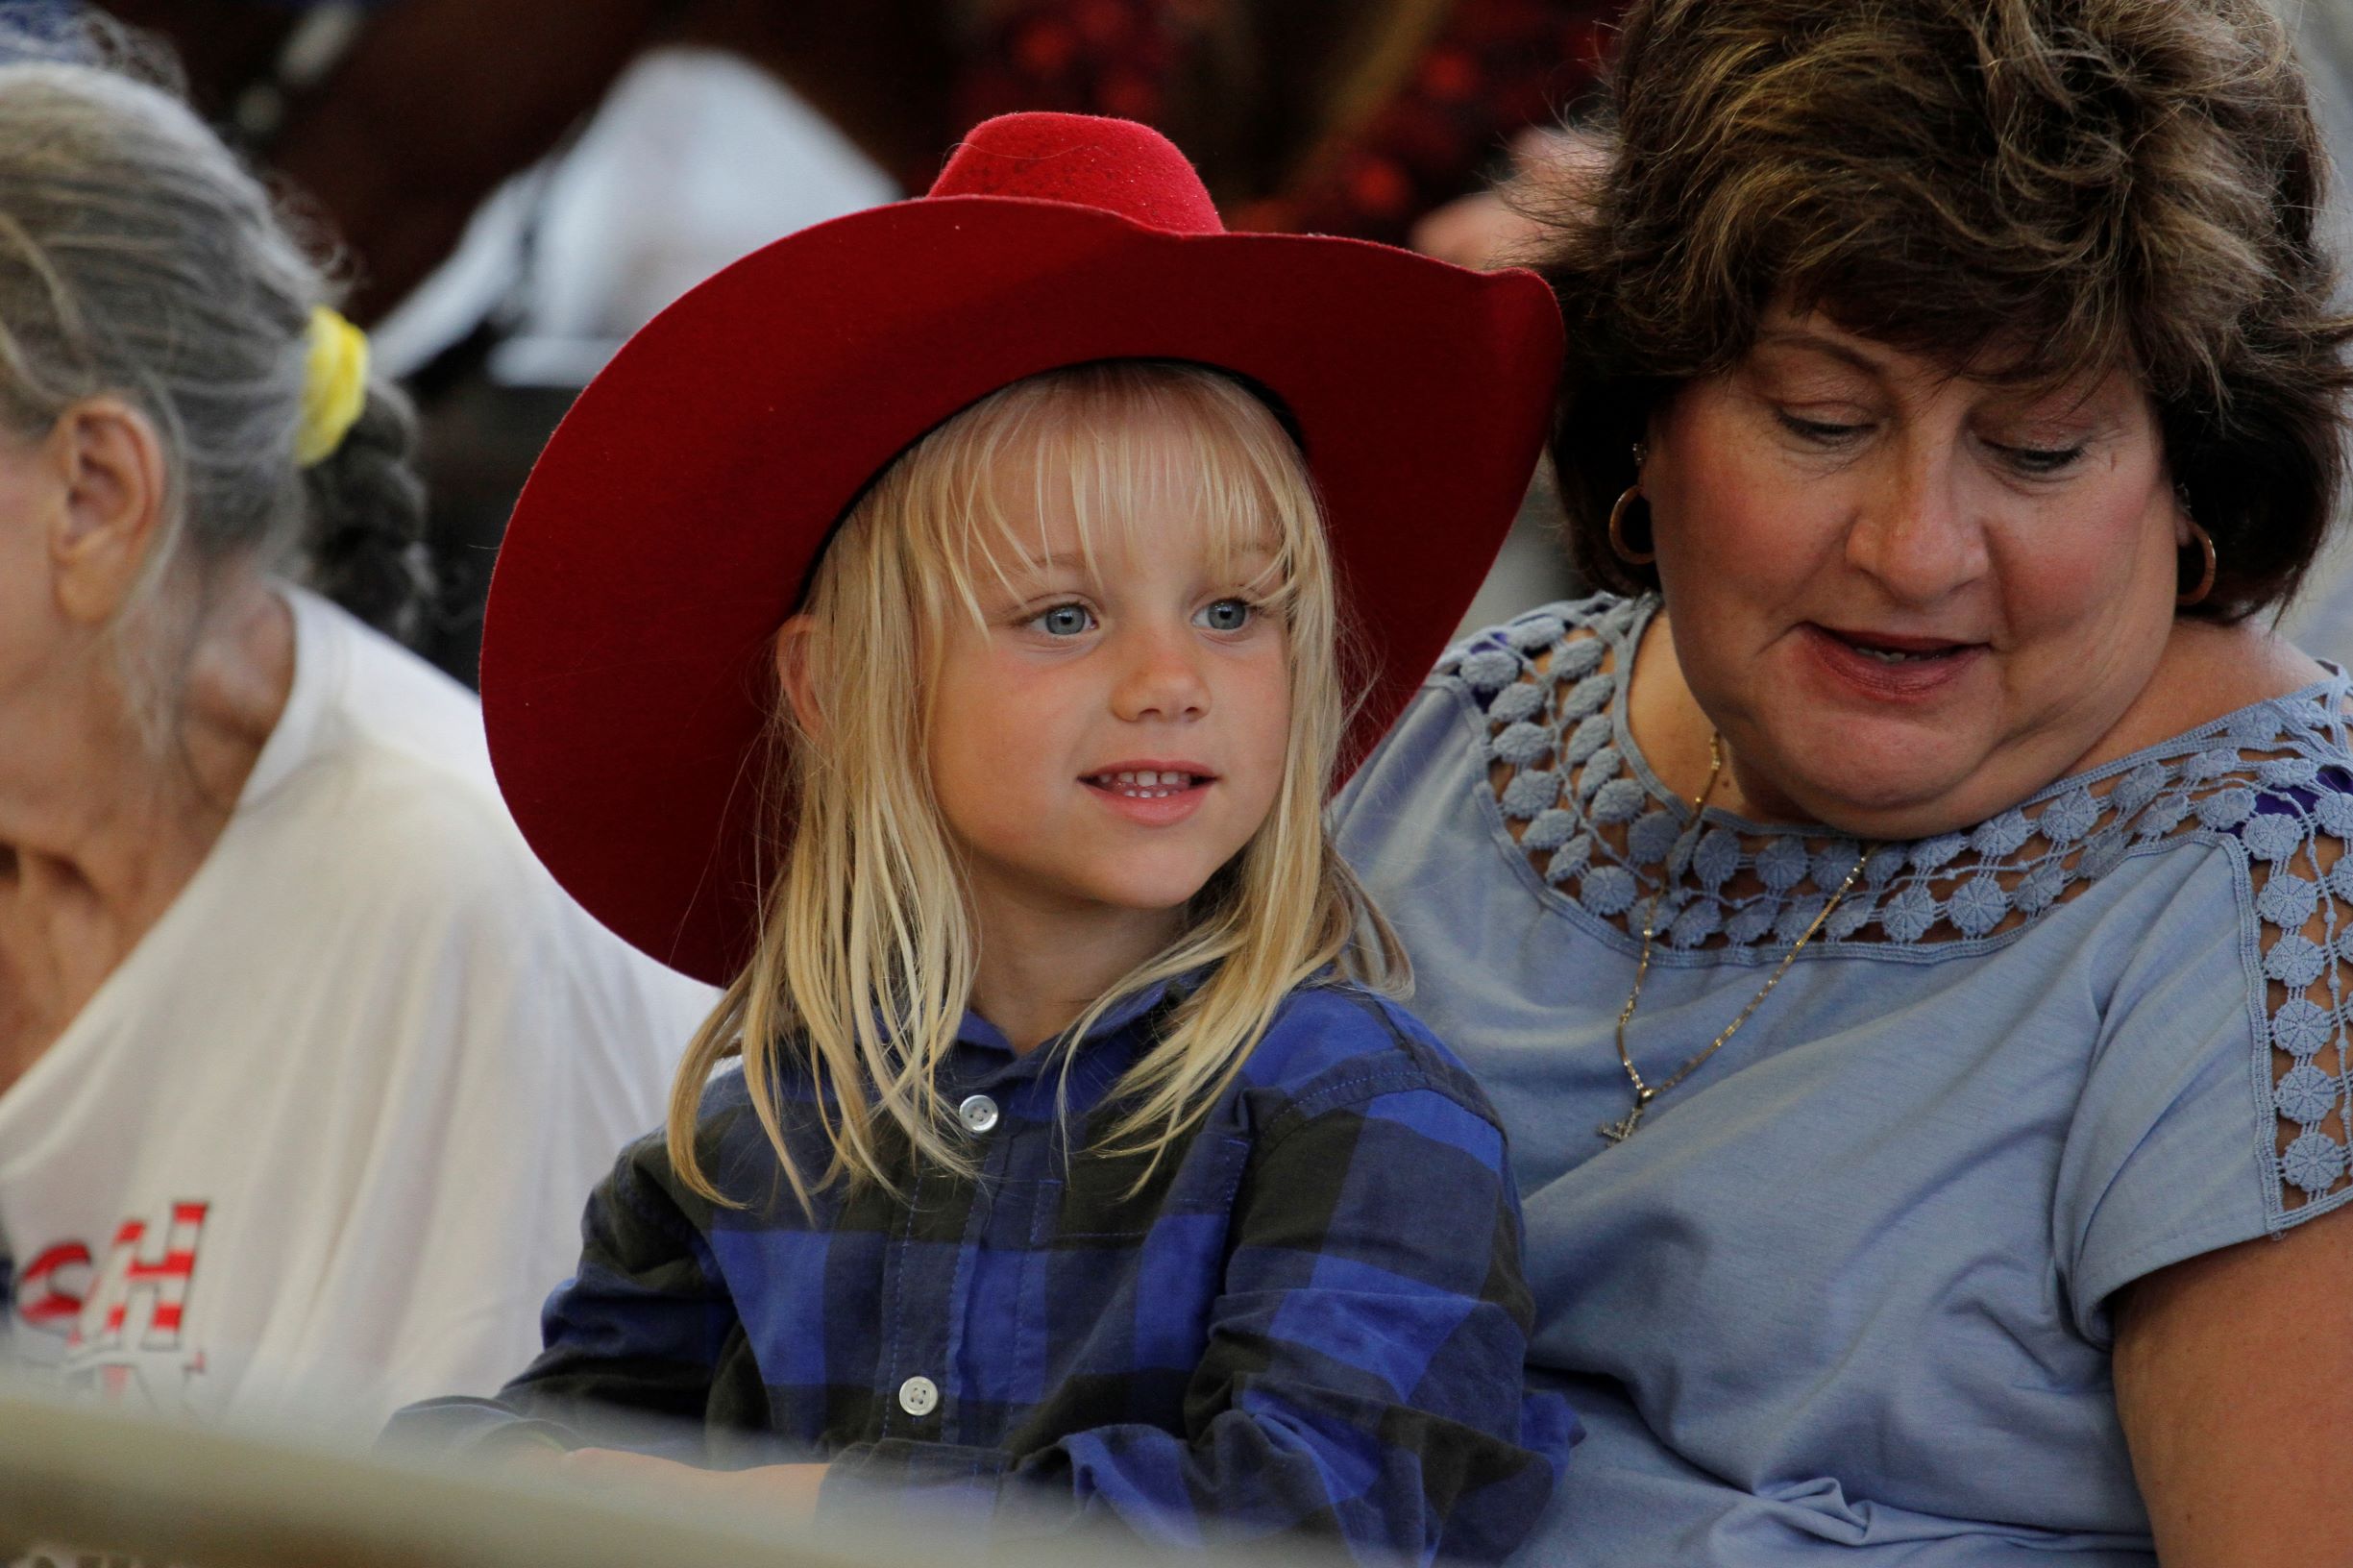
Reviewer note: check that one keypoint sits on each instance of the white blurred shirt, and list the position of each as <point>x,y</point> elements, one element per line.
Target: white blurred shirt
<point>318,1146</point>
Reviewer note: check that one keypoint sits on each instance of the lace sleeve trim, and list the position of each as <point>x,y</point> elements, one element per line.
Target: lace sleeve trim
<point>2274,782</point>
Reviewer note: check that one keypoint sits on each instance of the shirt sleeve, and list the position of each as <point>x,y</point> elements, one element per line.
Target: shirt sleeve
<point>1362,1379</point>
<point>2174,1148</point>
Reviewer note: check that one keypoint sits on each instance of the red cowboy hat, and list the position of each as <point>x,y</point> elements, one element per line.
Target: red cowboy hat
<point>670,526</point>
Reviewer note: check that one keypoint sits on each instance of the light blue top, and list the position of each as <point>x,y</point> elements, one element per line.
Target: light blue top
<point>1847,1285</point>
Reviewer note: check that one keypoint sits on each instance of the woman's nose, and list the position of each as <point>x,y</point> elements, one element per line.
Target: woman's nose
<point>1916,530</point>
<point>1160,677</point>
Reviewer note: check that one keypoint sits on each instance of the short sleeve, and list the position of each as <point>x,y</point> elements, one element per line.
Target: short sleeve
<point>2185,1138</point>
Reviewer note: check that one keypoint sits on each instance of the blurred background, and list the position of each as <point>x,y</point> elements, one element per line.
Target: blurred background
<point>522,185</point>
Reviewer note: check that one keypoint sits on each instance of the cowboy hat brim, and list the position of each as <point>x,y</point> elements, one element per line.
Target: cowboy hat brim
<point>670,526</point>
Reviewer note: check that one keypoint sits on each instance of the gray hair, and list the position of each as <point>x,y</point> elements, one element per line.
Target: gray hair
<point>140,259</point>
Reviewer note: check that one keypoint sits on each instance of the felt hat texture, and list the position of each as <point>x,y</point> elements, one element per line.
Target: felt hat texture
<point>670,528</point>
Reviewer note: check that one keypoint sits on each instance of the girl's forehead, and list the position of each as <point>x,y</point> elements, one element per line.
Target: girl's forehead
<point>1104,513</point>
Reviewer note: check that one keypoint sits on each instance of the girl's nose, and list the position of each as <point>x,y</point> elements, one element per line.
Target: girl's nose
<point>1916,530</point>
<point>1162,678</point>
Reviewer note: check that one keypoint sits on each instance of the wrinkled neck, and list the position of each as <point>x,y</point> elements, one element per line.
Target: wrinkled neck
<point>103,821</point>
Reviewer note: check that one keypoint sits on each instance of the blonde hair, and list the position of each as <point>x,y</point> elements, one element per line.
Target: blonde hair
<point>864,961</point>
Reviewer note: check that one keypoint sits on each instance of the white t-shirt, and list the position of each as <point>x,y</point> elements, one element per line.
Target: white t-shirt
<point>318,1146</point>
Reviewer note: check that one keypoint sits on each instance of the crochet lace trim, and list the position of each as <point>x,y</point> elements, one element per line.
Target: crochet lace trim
<point>2275,781</point>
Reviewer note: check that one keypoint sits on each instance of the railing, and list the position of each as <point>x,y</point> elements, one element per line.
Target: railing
<point>129,1488</point>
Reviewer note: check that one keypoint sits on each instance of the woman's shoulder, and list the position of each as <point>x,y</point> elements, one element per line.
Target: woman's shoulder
<point>385,754</point>
<point>1544,640</point>
<point>369,699</point>
<point>2272,777</point>
<point>1513,690</point>
<point>1570,640</point>
<point>1556,665</point>
<point>376,807</point>
<point>387,749</point>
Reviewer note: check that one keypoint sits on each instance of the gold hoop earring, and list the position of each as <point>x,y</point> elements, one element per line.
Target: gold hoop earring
<point>2205,578</point>
<point>1617,530</point>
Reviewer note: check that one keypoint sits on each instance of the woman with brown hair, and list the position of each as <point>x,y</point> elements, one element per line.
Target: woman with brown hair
<point>1905,922</point>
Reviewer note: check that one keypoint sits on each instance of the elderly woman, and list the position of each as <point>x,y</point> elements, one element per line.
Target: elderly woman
<point>1906,924</point>
<point>303,1062</point>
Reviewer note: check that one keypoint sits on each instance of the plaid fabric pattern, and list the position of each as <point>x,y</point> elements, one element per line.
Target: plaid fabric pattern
<point>1311,1318</point>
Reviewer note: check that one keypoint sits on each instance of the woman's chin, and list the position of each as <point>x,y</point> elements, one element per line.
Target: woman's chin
<point>1880,805</point>
<point>1887,780</point>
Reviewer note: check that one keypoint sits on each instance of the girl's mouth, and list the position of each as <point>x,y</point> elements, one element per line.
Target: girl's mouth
<point>1151,791</point>
<point>1148,783</point>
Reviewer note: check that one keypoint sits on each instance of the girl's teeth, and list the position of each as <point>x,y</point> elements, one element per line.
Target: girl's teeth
<point>1148,784</point>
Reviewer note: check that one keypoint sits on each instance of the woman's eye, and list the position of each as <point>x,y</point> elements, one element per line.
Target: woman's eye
<point>1822,430</point>
<point>1064,621</point>
<point>1226,614</point>
<point>2039,461</point>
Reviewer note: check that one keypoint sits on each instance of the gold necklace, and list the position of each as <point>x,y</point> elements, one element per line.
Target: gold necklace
<point>1626,1126</point>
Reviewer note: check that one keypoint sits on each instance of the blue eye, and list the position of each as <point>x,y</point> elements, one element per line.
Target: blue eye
<point>1226,614</point>
<point>1064,621</point>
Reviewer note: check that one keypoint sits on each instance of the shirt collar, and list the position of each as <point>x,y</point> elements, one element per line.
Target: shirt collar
<point>977,1031</point>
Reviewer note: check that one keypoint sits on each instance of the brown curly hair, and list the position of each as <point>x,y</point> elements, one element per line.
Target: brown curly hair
<point>2080,183</point>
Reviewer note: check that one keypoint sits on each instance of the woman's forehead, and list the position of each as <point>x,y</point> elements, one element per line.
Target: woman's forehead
<point>2002,368</point>
<point>1994,354</point>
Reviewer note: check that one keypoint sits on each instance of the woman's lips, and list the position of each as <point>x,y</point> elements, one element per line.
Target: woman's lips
<point>1888,666</point>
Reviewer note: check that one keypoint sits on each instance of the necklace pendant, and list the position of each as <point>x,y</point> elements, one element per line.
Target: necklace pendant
<point>1622,1129</point>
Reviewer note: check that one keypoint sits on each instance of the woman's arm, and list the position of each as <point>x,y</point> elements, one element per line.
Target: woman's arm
<point>2234,1375</point>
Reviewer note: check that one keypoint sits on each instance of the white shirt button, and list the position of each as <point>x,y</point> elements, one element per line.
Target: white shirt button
<point>919,1396</point>
<point>977,1113</point>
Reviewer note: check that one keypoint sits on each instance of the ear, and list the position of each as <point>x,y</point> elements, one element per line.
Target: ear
<point>793,643</point>
<point>110,459</point>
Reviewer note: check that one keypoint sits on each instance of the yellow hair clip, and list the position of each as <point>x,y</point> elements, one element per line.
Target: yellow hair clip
<point>335,385</point>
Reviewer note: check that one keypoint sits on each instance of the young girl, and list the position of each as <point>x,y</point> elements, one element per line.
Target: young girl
<point>1073,1168</point>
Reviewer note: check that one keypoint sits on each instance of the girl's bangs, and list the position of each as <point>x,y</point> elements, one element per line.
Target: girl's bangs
<point>1116,448</point>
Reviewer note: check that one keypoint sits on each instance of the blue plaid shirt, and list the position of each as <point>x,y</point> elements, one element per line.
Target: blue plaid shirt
<point>1311,1318</point>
